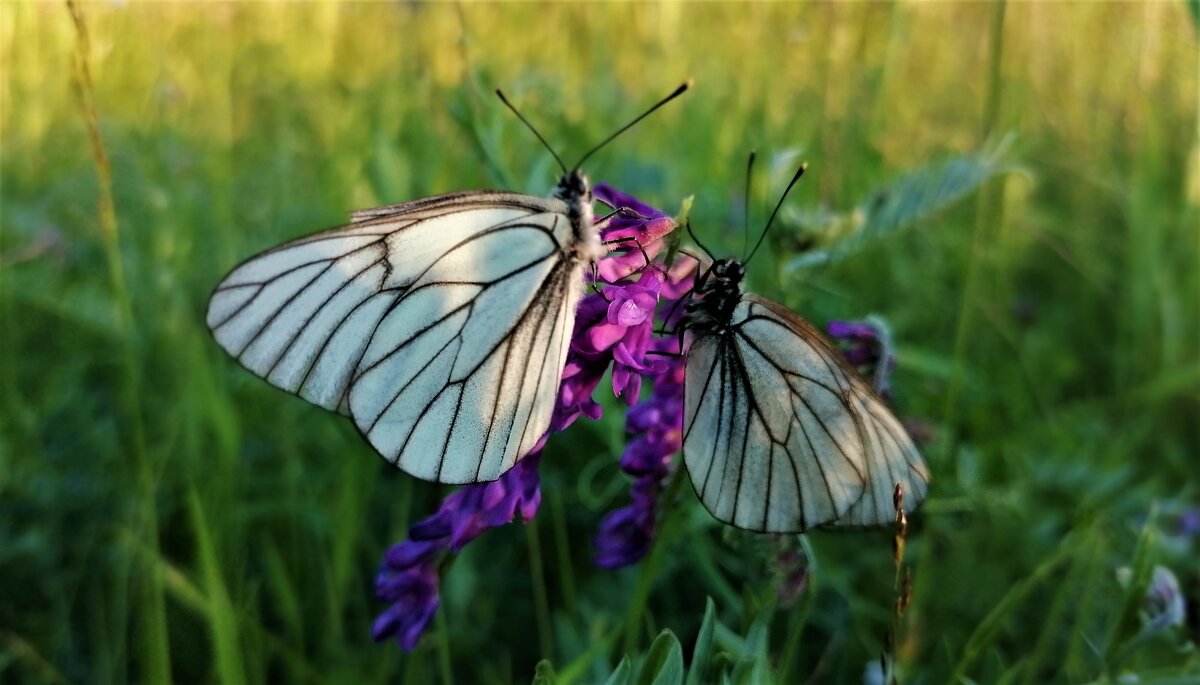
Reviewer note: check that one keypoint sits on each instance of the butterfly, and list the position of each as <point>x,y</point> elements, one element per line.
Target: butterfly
<point>440,326</point>
<point>781,434</point>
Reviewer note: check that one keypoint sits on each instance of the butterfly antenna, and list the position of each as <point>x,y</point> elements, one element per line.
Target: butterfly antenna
<point>531,128</point>
<point>688,225</point>
<point>746,209</point>
<point>799,173</point>
<point>678,91</point>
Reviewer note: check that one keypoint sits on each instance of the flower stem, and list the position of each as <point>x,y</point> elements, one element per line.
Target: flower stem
<point>562,545</point>
<point>443,650</point>
<point>646,576</point>
<point>797,620</point>
<point>537,578</point>
<point>146,581</point>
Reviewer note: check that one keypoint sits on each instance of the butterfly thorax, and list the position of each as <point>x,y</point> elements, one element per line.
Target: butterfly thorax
<point>575,190</point>
<point>716,294</point>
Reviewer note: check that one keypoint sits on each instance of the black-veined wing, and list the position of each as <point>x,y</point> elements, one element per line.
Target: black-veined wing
<point>768,439</point>
<point>777,354</point>
<point>439,325</point>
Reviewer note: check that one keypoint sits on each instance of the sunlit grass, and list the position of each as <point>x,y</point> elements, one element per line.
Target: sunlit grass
<point>1047,328</point>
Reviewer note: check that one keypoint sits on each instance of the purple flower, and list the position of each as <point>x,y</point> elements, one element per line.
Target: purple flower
<point>867,345</point>
<point>791,568</point>
<point>1163,604</point>
<point>1188,523</point>
<point>413,594</point>
<point>639,224</point>
<point>408,578</point>
<point>655,425</point>
<point>613,328</point>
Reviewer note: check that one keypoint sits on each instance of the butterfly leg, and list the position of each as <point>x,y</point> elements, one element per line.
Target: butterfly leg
<point>622,211</point>
<point>635,241</point>
<point>597,290</point>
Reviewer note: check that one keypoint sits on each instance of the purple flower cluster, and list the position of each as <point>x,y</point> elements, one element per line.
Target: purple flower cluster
<point>655,425</point>
<point>868,347</point>
<point>408,578</point>
<point>613,328</point>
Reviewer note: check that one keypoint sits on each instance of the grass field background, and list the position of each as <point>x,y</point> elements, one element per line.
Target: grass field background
<point>165,516</point>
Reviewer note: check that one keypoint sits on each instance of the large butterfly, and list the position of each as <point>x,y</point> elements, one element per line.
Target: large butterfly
<point>781,434</point>
<point>440,326</point>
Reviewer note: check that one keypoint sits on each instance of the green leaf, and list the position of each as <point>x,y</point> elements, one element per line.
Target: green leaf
<point>1139,578</point>
<point>543,673</point>
<point>703,646</point>
<point>222,619</point>
<point>664,662</point>
<point>622,675</point>
<point>753,666</point>
<point>989,628</point>
<point>907,200</point>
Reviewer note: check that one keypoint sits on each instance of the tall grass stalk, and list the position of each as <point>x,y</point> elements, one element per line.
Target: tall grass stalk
<point>986,208</point>
<point>151,623</point>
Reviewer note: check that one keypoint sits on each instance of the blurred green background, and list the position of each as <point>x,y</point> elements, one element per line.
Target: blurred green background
<point>166,516</point>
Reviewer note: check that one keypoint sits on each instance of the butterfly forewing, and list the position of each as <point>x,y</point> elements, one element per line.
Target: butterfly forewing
<point>438,325</point>
<point>768,441</point>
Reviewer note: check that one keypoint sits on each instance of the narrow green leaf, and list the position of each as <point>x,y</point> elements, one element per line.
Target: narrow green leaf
<point>543,674</point>
<point>664,662</point>
<point>222,620</point>
<point>911,198</point>
<point>700,652</point>
<point>622,675</point>
<point>1142,569</point>
<point>987,630</point>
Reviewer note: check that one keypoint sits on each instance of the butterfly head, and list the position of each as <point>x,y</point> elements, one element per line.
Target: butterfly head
<point>574,187</point>
<point>716,295</point>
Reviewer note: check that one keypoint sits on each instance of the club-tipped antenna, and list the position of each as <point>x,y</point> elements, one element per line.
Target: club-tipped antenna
<point>746,208</point>
<point>531,128</point>
<point>799,173</point>
<point>708,252</point>
<point>678,91</point>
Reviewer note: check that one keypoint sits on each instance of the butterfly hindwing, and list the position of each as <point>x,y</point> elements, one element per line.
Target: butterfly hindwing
<point>889,456</point>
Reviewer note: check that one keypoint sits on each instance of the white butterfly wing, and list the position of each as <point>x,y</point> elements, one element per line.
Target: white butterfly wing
<point>773,360</point>
<point>460,376</point>
<point>768,440</point>
<point>891,459</point>
<point>443,297</point>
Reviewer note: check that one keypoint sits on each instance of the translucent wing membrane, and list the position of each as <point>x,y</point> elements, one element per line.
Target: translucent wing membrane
<point>781,435</point>
<point>889,456</point>
<point>439,325</point>
<point>768,441</point>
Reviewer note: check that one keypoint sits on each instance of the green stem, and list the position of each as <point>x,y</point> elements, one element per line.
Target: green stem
<point>537,579</point>
<point>637,609</point>
<point>989,200</point>
<point>562,544</point>
<point>152,623</point>
<point>443,651</point>
<point>798,619</point>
